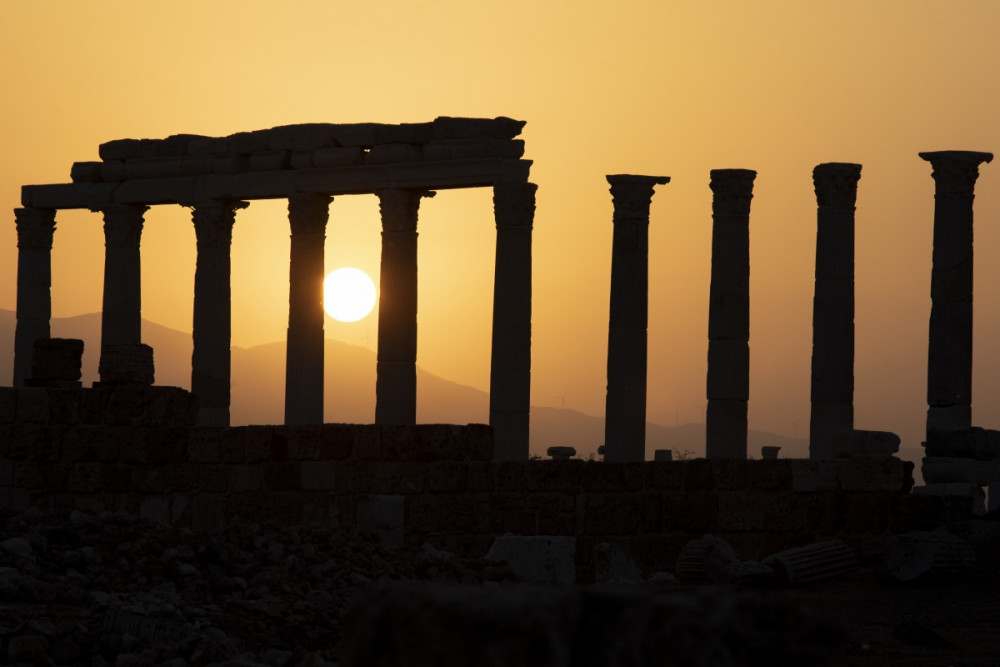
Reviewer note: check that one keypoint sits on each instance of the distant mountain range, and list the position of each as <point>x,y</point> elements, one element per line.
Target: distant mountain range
<point>258,384</point>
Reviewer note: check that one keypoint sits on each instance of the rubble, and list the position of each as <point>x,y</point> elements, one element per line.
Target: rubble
<point>111,589</point>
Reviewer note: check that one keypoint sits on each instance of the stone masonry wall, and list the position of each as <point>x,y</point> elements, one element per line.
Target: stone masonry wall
<point>135,450</point>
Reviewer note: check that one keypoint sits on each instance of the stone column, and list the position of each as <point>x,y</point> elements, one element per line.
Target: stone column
<point>121,316</point>
<point>396,380</point>
<point>35,227</point>
<point>307,213</point>
<point>729,315</point>
<point>949,357</point>
<point>510,366</point>
<point>832,412</point>
<point>625,414</point>
<point>212,327</point>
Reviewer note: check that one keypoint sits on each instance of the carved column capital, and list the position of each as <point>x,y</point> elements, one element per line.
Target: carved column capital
<point>398,208</point>
<point>732,191</point>
<point>514,204</point>
<point>632,195</point>
<point>123,223</point>
<point>213,221</point>
<point>35,227</point>
<point>836,184</point>
<point>955,172</point>
<point>308,213</point>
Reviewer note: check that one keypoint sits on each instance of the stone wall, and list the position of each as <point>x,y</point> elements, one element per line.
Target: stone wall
<point>135,450</point>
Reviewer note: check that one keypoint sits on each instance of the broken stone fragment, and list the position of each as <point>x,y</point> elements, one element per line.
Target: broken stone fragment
<point>813,562</point>
<point>702,561</point>
<point>878,444</point>
<point>945,469</point>
<point>57,362</point>
<point>126,364</point>
<point>917,553</point>
<point>561,453</point>
<point>974,443</point>
<point>537,558</point>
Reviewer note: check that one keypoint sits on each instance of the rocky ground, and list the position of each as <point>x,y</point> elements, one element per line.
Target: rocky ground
<point>78,589</point>
<point>81,589</point>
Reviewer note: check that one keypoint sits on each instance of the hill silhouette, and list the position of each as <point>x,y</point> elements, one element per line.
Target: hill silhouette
<point>258,384</point>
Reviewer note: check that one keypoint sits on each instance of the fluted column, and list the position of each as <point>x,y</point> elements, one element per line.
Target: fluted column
<point>832,394</point>
<point>35,227</point>
<point>212,326</point>
<point>121,315</point>
<point>510,367</point>
<point>308,214</point>
<point>625,414</point>
<point>949,357</point>
<point>729,315</point>
<point>396,380</point>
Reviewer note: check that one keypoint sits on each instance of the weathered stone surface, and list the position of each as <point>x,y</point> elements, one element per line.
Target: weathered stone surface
<point>937,469</point>
<point>538,559</point>
<point>57,360</point>
<point>126,364</point>
<point>917,553</point>
<point>814,562</point>
<point>703,560</point>
<point>974,443</point>
<point>613,566</point>
<point>957,490</point>
<point>878,444</point>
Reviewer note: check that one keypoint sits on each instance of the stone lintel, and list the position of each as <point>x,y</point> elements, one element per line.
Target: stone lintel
<point>631,179</point>
<point>279,184</point>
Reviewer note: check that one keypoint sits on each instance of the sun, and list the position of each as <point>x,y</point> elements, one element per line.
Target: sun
<point>348,294</point>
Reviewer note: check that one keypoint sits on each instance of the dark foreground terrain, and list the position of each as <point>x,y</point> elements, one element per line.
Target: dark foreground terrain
<point>83,589</point>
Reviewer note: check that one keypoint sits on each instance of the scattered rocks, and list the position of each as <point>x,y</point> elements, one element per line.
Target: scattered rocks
<point>112,589</point>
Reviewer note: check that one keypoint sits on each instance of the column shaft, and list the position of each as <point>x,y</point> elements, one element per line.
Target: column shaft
<point>510,366</point>
<point>35,228</point>
<point>304,362</point>
<point>625,413</point>
<point>832,393</point>
<point>949,356</point>
<point>212,326</point>
<point>121,314</point>
<point>728,384</point>
<point>396,380</point>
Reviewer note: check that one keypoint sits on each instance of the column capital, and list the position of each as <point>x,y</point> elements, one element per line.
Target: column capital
<point>35,227</point>
<point>836,183</point>
<point>732,191</point>
<point>514,204</point>
<point>955,172</point>
<point>398,208</point>
<point>308,213</point>
<point>213,221</point>
<point>123,223</point>
<point>632,195</point>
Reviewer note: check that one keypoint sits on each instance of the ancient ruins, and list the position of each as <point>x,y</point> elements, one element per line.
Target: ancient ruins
<point>168,455</point>
<point>307,165</point>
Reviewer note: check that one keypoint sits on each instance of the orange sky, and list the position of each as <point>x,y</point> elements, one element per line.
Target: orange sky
<point>654,87</point>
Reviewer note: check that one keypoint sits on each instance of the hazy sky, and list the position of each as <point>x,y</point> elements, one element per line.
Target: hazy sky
<point>654,87</point>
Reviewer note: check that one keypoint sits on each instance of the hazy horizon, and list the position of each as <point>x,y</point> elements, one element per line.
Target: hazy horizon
<point>672,89</point>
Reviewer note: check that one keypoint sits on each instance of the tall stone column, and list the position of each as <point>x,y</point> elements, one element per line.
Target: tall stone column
<point>625,414</point>
<point>510,367</point>
<point>35,227</point>
<point>121,315</point>
<point>949,357</point>
<point>212,326</point>
<point>308,214</point>
<point>396,380</point>
<point>729,315</point>
<point>832,412</point>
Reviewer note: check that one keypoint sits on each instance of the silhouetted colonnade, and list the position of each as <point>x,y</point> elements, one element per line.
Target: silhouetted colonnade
<point>307,165</point>
<point>831,429</point>
<point>310,164</point>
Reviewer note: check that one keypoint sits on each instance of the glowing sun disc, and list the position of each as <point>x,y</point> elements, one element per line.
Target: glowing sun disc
<point>348,294</point>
